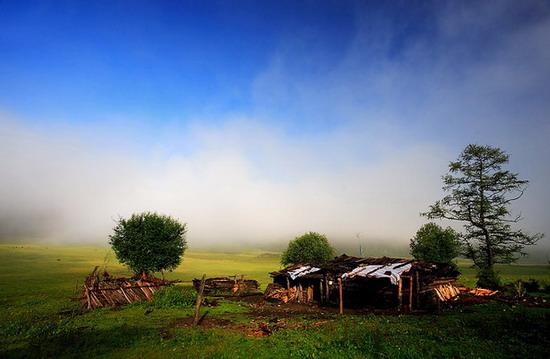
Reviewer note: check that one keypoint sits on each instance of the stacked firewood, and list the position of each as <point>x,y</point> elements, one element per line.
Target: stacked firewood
<point>446,291</point>
<point>106,291</point>
<point>296,294</point>
<point>479,292</point>
<point>229,286</point>
<point>277,292</point>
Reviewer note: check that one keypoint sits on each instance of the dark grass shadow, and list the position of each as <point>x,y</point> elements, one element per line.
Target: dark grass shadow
<point>202,317</point>
<point>77,342</point>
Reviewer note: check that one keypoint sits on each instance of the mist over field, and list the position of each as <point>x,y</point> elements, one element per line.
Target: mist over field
<point>347,141</point>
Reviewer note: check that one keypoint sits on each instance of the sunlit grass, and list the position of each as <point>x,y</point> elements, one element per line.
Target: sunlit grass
<point>38,318</point>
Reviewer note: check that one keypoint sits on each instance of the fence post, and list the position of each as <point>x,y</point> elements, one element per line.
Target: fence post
<point>199,302</point>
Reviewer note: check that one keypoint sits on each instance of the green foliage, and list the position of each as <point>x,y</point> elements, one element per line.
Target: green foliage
<point>175,297</point>
<point>149,242</point>
<point>480,192</point>
<point>519,289</point>
<point>487,277</point>
<point>311,247</point>
<point>532,285</point>
<point>435,244</point>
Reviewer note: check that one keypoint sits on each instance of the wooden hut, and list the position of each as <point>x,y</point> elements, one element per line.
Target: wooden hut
<point>353,282</point>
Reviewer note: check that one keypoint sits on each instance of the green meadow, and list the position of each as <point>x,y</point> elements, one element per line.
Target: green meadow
<point>39,319</point>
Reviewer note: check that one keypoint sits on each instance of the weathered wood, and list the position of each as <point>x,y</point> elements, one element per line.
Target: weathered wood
<point>88,300</point>
<point>321,295</point>
<point>228,286</point>
<point>399,294</point>
<point>125,296</point>
<point>417,277</point>
<point>359,273</point>
<point>340,295</point>
<point>199,302</point>
<point>130,287</point>
<point>108,291</point>
<point>410,293</point>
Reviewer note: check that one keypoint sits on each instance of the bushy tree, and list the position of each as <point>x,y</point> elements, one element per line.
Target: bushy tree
<point>432,243</point>
<point>311,247</point>
<point>149,242</point>
<point>479,193</point>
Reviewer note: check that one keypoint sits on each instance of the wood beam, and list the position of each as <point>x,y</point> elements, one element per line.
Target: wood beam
<point>410,293</point>
<point>341,296</point>
<point>399,294</point>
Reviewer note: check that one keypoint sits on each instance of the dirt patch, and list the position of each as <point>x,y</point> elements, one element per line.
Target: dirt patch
<point>471,300</point>
<point>246,298</point>
<point>266,309</point>
<point>528,301</point>
<point>258,327</point>
<point>206,322</point>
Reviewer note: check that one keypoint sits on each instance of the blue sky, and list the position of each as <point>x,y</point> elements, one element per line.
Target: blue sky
<point>267,118</point>
<point>80,61</point>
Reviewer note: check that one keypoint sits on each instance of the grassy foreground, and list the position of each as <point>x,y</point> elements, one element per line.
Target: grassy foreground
<point>38,319</point>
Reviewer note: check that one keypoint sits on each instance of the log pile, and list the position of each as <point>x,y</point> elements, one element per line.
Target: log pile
<point>478,292</point>
<point>446,291</point>
<point>228,286</point>
<point>297,294</point>
<point>276,292</point>
<point>106,291</point>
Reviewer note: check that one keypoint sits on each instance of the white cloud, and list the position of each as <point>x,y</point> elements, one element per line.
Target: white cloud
<point>378,134</point>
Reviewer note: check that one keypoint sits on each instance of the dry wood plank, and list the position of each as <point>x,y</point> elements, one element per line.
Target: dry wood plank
<point>125,296</point>
<point>309,294</point>
<point>88,300</point>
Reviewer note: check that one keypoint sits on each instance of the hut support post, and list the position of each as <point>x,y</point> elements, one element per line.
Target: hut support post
<point>321,294</point>
<point>341,299</point>
<point>417,288</point>
<point>410,293</point>
<point>399,294</point>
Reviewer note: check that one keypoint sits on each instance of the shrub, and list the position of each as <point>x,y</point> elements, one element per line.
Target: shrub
<point>311,247</point>
<point>488,278</point>
<point>532,285</point>
<point>175,296</point>
<point>435,244</point>
<point>519,289</point>
<point>149,242</point>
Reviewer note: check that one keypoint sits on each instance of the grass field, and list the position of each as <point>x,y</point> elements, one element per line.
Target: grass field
<point>38,319</point>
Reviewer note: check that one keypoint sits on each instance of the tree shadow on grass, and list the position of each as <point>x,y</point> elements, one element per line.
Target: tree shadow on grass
<point>81,342</point>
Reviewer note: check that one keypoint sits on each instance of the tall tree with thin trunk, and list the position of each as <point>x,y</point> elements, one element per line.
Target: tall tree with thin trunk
<point>479,193</point>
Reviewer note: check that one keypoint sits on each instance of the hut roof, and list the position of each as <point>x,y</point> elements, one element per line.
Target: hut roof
<point>377,267</point>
